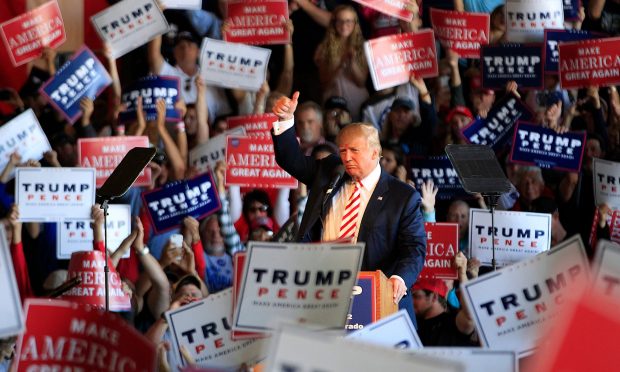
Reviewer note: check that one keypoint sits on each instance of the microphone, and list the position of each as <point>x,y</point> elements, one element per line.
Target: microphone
<point>336,176</point>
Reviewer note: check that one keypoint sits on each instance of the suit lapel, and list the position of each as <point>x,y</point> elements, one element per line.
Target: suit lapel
<point>375,204</point>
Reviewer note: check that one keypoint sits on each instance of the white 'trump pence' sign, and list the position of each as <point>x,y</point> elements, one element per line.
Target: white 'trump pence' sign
<point>129,24</point>
<point>203,329</point>
<point>512,306</point>
<point>52,194</point>
<point>296,282</point>
<point>518,235</point>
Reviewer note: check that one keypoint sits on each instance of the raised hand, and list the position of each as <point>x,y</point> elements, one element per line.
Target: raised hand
<point>285,107</point>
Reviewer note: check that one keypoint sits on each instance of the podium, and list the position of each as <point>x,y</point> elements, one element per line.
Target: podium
<point>372,300</point>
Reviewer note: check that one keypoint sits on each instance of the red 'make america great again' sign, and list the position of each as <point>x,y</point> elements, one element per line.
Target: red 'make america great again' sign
<point>590,63</point>
<point>257,22</point>
<point>464,33</point>
<point>393,59</point>
<point>65,336</point>
<point>25,36</point>
<point>251,162</point>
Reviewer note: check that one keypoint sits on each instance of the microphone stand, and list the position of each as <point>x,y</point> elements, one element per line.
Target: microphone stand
<point>106,268</point>
<point>491,200</point>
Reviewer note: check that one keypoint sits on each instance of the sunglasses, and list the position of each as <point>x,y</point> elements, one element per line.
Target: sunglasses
<point>188,85</point>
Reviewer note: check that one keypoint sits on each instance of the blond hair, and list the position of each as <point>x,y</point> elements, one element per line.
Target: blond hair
<point>334,48</point>
<point>367,130</point>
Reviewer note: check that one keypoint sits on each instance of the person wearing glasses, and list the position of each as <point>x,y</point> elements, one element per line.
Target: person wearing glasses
<point>340,58</point>
<point>256,205</point>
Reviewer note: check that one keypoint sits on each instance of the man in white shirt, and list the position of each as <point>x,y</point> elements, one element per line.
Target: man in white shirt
<point>186,52</point>
<point>352,198</point>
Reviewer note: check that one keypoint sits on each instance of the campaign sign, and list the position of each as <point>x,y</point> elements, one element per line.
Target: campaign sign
<point>590,62</point>
<point>442,245</point>
<point>23,134</point>
<point>395,331</point>
<point>259,22</point>
<point>105,154</point>
<point>203,157</point>
<point>295,349</point>
<point>392,59</point>
<point>26,35</point>
<point>571,9</point>
<point>75,235</point>
<point>170,204</point>
<point>129,24</point>
<point>81,76</point>
<point>181,4</point>
<point>363,309</point>
<point>512,306</point>
<point>464,33</point>
<point>593,238</point>
<point>518,235</point>
<point>581,340</point>
<point>526,20</point>
<point>64,336</point>
<point>297,282</point>
<point>497,128</point>
<point>606,182</point>
<point>52,194</point>
<point>607,269</point>
<point>440,170</point>
<point>506,62</point>
<point>255,125</point>
<point>251,162</point>
<point>534,144</point>
<point>395,8</point>
<point>11,316</point>
<point>474,358</point>
<point>151,88</point>
<point>553,38</point>
<point>238,267</point>
<point>233,65</point>
<point>203,329</point>
<point>89,267</point>
<point>614,226</point>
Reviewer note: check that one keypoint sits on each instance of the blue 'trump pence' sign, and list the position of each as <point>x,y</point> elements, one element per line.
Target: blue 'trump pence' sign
<point>82,76</point>
<point>495,130</point>
<point>152,88</point>
<point>174,201</point>
<point>519,62</point>
<point>546,148</point>
<point>440,170</point>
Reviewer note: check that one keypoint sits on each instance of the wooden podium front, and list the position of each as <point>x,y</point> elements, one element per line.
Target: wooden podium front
<point>372,300</point>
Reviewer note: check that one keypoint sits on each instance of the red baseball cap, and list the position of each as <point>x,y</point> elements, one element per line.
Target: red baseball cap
<point>434,285</point>
<point>459,110</point>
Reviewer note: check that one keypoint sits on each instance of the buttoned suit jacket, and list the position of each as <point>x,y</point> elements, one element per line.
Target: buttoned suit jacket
<point>392,225</point>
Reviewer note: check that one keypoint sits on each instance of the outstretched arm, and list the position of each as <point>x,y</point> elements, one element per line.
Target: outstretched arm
<point>288,153</point>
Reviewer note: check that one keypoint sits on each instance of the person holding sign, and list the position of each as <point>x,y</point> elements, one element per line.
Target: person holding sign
<point>352,198</point>
<point>437,326</point>
<point>340,58</point>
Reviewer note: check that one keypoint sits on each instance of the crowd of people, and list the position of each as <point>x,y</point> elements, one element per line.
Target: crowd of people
<point>325,62</point>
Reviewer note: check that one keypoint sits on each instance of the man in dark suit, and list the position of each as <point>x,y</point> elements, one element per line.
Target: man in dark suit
<point>366,204</point>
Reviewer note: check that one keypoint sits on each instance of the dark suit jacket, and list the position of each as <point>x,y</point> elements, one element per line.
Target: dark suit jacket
<point>392,226</point>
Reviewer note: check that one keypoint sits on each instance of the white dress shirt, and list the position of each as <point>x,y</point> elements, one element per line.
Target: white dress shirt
<point>333,220</point>
<point>331,231</point>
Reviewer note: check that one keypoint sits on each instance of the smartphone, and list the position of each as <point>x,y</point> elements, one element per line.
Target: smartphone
<point>177,240</point>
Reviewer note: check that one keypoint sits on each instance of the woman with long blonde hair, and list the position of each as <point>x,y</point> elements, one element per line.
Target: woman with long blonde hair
<point>340,58</point>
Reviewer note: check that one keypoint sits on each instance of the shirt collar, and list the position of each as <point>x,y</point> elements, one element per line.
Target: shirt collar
<point>370,181</point>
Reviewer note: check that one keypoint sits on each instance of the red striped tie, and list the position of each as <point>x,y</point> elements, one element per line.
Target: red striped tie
<point>349,218</point>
